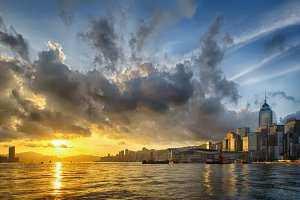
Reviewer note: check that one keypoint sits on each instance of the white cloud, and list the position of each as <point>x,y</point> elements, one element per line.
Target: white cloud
<point>284,16</point>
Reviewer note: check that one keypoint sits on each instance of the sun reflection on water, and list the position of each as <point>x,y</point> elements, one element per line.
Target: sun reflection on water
<point>207,180</point>
<point>57,182</point>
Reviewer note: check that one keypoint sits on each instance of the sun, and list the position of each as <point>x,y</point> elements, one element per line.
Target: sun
<point>59,143</point>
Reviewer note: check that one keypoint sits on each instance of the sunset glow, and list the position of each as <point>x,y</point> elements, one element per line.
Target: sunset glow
<point>59,143</point>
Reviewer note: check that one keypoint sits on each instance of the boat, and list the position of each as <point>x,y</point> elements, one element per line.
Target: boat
<point>155,162</point>
<point>217,162</point>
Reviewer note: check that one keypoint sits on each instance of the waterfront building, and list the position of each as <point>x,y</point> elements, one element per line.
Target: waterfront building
<point>243,131</point>
<point>246,143</point>
<point>232,142</point>
<point>292,136</point>
<point>209,145</point>
<point>217,146</point>
<point>265,115</point>
<point>11,153</point>
<point>252,143</point>
<point>275,142</point>
<point>252,139</point>
<point>225,144</point>
<point>3,159</point>
<point>196,155</point>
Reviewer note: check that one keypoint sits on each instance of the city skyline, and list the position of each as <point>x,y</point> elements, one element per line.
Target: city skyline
<point>94,78</point>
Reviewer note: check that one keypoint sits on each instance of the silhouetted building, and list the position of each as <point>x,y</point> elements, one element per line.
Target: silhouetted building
<point>3,159</point>
<point>11,153</point>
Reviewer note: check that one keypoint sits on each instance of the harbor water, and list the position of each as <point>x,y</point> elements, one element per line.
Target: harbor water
<point>136,181</point>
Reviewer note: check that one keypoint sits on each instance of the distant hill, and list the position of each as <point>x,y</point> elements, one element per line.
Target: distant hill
<point>37,157</point>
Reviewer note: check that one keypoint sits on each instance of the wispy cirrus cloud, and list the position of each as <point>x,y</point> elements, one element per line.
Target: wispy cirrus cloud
<point>265,61</point>
<point>282,17</point>
<point>259,79</point>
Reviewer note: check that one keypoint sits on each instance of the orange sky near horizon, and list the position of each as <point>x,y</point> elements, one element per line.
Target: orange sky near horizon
<point>94,145</point>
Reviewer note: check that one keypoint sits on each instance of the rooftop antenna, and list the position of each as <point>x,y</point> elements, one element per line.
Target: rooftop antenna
<point>265,96</point>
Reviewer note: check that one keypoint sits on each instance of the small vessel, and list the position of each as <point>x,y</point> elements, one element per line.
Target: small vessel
<point>155,162</point>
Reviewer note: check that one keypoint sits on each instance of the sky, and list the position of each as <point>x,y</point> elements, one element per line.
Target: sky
<point>96,77</point>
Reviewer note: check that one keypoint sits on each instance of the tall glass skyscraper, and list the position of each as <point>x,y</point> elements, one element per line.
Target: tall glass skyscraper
<point>265,115</point>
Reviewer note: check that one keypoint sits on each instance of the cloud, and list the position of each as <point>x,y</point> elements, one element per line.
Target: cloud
<point>282,94</point>
<point>47,145</point>
<point>276,19</point>
<point>266,60</point>
<point>277,41</point>
<point>212,79</point>
<point>259,79</point>
<point>67,9</point>
<point>13,40</point>
<point>293,115</point>
<point>121,143</point>
<point>104,39</point>
<point>158,19</point>
<point>143,104</point>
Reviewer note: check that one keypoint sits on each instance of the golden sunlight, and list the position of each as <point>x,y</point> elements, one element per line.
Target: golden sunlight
<point>59,143</point>
<point>57,183</point>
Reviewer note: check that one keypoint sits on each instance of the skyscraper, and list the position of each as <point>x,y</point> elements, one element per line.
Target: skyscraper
<point>265,115</point>
<point>11,153</point>
<point>292,140</point>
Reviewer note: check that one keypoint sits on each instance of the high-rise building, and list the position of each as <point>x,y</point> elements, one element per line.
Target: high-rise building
<point>265,115</point>
<point>225,145</point>
<point>11,153</point>
<point>209,145</point>
<point>243,131</point>
<point>275,142</point>
<point>292,140</point>
<point>252,141</point>
<point>232,142</point>
<point>246,143</point>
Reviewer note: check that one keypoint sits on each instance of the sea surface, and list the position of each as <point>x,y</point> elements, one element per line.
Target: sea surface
<point>137,181</point>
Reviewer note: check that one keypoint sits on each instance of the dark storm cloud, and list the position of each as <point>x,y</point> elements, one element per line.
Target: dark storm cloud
<point>212,79</point>
<point>156,91</point>
<point>104,39</point>
<point>277,41</point>
<point>7,135</point>
<point>285,96</point>
<point>13,40</point>
<point>144,104</point>
<point>55,79</point>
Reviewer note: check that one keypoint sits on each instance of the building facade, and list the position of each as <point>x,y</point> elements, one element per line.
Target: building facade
<point>265,115</point>
<point>292,139</point>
